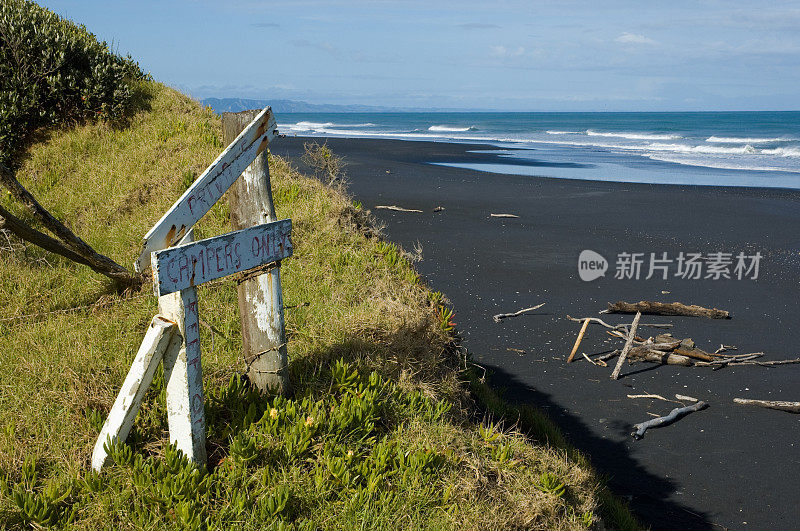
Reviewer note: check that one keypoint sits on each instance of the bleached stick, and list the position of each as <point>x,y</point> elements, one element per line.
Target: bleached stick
<point>627,347</point>
<point>686,398</point>
<point>623,326</point>
<point>599,363</point>
<point>791,407</point>
<point>659,397</point>
<point>396,208</point>
<point>497,318</point>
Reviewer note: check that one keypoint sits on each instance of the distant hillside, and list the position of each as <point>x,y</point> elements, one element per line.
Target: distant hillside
<point>220,105</point>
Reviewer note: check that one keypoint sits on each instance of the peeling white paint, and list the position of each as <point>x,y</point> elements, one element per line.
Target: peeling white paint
<point>195,263</point>
<point>209,187</point>
<point>120,419</point>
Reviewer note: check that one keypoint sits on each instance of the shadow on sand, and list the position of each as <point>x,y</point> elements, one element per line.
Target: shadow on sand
<point>610,459</point>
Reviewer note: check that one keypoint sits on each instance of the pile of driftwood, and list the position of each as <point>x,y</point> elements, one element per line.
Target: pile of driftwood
<point>664,348</point>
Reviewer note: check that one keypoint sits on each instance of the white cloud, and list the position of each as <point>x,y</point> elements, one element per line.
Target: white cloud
<point>634,38</point>
<point>502,51</point>
<point>478,25</point>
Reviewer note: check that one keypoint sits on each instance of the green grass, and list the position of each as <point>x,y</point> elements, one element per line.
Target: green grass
<point>379,433</point>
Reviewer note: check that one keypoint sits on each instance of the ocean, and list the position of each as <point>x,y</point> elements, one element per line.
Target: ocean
<point>760,149</point>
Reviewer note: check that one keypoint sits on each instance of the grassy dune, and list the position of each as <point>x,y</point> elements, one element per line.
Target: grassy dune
<point>382,430</point>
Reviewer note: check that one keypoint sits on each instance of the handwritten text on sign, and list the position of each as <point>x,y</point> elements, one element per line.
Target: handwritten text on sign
<point>188,265</point>
<point>209,187</point>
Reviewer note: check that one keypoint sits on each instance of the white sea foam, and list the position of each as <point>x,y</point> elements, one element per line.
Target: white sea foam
<point>783,152</point>
<point>711,150</point>
<point>317,126</point>
<point>451,129</point>
<point>368,124</point>
<point>633,136</point>
<point>723,154</point>
<point>745,140</point>
<point>719,164</point>
<point>313,125</point>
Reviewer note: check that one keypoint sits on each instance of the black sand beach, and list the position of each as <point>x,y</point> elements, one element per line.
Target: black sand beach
<point>728,466</point>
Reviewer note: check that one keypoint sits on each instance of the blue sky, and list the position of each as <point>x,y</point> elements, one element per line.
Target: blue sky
<point>505,55</point>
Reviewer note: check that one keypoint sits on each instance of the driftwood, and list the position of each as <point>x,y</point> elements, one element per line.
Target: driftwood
<point>606,357</point>
<point>673,415</point>
<point>627,347</point>
<point>738,360</point>
<point>503,216</point>
<point>791,407</point>
<point>500,316</point>
<point>695,353</point>
<point>659,397</point>
<point>396,208</point>
<point>686,398</point>
<point>770,363</point>
<point>623,326</point>
<point>668,350</point>
<point>438,209</point>
<point>620,335</point>
<point>578,341</point>
<point>599,363</point>
<point>664,308</point>
<point>659,356</point>
<point>724,348</point>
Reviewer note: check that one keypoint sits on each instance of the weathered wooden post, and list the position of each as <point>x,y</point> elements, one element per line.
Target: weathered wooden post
<point>260,296</point>
<point>183,373</point>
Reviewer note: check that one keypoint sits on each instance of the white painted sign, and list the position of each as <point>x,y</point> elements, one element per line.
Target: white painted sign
<point>120,419</point>
<point>176,272</point>
<point>209,187</point>
<point>183,374</point>
<point>192,264</point>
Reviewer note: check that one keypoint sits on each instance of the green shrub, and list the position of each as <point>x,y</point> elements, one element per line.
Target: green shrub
<point>54,71</point>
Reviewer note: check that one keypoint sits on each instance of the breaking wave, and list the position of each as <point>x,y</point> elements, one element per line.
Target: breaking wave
<point>451,129</point>
<point>633,136</point>
<point>745,140</point>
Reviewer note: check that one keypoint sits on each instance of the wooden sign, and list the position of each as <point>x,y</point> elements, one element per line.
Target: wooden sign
<point>192,264</point>
<point>183,374</point>
<point>209,187</point>
<point>174,335</point>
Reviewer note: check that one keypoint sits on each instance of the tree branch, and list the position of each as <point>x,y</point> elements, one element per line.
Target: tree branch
<point>98,262</point>
<point>29,234</point>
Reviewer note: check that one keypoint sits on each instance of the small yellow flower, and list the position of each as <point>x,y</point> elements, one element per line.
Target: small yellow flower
<point>273,413</point>
<point>349,453</point>
<point>309,421</point>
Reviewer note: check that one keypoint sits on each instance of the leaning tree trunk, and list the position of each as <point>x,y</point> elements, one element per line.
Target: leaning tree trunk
<point>68,244</point>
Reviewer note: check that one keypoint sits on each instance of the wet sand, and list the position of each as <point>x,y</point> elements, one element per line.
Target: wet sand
<point>730,465</point>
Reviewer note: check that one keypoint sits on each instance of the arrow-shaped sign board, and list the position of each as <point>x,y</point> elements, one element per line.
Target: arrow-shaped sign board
<point>209,187</point>
<point>194,263</point>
